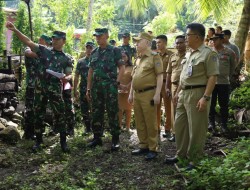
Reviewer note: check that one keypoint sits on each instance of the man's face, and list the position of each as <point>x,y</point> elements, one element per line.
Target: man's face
<point>161,44</point>
<point>226,38</point>
<point>42,41</point>
<point>141,45</point>
<point>125,40</point>
<point>217,42</point>
<point>210,33</point>
<point>101,39</point>
<point>180,44</point>
<point>58,43</point>
<point>191,38</point>
<point>89,50</point>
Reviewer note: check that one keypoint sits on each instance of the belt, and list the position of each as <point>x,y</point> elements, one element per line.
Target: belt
<point>192,87</point>
<point>145,89</point>
<point>175,83</point>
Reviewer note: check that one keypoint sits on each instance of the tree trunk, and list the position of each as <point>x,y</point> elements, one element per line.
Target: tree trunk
<point>90,13</point>
<point>243,28</point>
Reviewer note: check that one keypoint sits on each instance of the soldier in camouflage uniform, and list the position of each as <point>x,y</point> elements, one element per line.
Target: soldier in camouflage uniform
<point>31,62</point>
<point>82,69</point>
<point>125,47</point>
<point>103,84</point>
<point>49,87</point>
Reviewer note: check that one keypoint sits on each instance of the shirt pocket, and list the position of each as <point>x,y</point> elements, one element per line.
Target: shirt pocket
<point>198,66</point>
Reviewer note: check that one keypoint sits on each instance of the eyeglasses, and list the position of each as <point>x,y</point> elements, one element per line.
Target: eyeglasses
<point>187,35</point>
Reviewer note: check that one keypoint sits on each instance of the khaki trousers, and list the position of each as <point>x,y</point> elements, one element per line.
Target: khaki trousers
<point>167,105</point>
<point>145,120</point>
<point>190,125</point>
<point>174,88</point>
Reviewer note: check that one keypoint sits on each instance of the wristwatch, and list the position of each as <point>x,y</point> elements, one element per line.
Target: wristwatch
<point>207,98</point>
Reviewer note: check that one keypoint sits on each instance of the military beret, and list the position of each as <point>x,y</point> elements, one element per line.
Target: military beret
<point>59,34</point>
<point>126,34</point>
<point>46,38</point>
<point>89,44</point>
<point>100,31</point>
<point>217,35</point>
<point>143,35</point>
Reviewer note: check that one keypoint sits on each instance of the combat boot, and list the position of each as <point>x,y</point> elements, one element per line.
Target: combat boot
<point>97,141</point>
<point>39,141</point>
<point>115,143</point>
<point>63,142</point>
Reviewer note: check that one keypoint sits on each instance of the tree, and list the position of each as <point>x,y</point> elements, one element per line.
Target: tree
<point>90,13</point>
<point>1,26</point>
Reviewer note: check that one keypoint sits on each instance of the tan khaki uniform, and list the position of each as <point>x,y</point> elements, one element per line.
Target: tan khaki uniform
<point>174,69</point>
<point>190,124</point>
<point>145,77</point>
<point>166,100</point>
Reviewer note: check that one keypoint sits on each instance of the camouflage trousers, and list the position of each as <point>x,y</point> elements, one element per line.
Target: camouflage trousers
<point>53,94</point>
<point>69,109</point>
<point>29,108</point>
<point>105,95</point>
<point>85,109</point>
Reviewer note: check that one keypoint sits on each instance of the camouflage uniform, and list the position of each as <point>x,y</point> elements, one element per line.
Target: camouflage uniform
<point>49,87</point>
<point>82,69</point>
<point>104,63</point>
<point>30,65</point>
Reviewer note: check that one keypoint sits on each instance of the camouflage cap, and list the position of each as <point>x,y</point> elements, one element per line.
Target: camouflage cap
<point>46,38</point>
<point>143,35</point>
<point>100,31</point>
<point>217,35</point>
<point>126,34</point>
<point>89,44</point>
<point>59,34</point>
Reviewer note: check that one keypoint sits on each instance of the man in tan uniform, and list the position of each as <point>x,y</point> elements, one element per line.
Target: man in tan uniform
<point>197,81</point>
<point>145,93</point>
<point>161,44</point>
<point>173,76</point>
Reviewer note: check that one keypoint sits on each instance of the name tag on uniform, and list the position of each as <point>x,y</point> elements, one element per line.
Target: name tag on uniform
<point>190,71</point>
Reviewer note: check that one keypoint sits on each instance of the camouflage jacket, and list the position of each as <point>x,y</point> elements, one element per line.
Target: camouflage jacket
<point>57,61</point>
<point>82,69</point>
<point>104,63</point>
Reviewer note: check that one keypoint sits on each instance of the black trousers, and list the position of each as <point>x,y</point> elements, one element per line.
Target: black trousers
<point>221,93</point>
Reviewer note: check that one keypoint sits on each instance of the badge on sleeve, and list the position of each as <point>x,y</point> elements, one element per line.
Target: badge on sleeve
<point>157,64</point>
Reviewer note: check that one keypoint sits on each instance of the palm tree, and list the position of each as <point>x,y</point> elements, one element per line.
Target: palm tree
<point>90,13</point>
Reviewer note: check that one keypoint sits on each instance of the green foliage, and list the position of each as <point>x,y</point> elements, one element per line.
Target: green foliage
<point>162,24</point>
<point>240,96</point>
<point>233,172</point>
<point>22,24</point>
<point>1,27</point>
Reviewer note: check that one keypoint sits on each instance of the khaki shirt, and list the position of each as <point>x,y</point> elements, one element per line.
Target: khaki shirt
<point>146,70</point>
<point>175,67</point>
<point>165,60</point>
<point>203,62</point>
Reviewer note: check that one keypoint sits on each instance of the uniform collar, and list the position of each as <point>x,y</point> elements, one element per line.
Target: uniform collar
<point>201,47</point>
<point>164,52</point>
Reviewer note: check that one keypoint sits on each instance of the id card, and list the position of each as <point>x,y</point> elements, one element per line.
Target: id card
<point>190,71</point>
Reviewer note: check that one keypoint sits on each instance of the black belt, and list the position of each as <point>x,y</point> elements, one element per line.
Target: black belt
<point>145,89</point>
<point>192,87</point>
<point>175,83</point>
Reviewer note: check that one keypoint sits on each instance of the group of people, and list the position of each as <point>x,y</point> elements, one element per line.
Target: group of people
<point>115,79</point>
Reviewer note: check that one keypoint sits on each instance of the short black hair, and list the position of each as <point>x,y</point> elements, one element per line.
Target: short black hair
<point>163,37</point>
<point>180,36</point>
<point>153,45</point>
<point>219,27</point>
<point>197,28</point>
<point>212,29</point>
<point>227,32</point>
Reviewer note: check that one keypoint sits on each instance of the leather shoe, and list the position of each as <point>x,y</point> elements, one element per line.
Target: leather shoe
<point>140,151</point>
<point>115,143</point>
<point>171,160</point>
<point>167,134</point>
<point>95,142</point>
<point>150,156</point>
<point>172,138</point>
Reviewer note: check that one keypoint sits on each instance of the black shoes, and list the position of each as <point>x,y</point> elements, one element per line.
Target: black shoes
<point>115,143</point>
<point>95,142</point>
<point>63,142</point>
<point>171,160</point>
<point>150,156</point>
<point>172,138</point>
<point>167,134</point>
<point>140,151</point>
